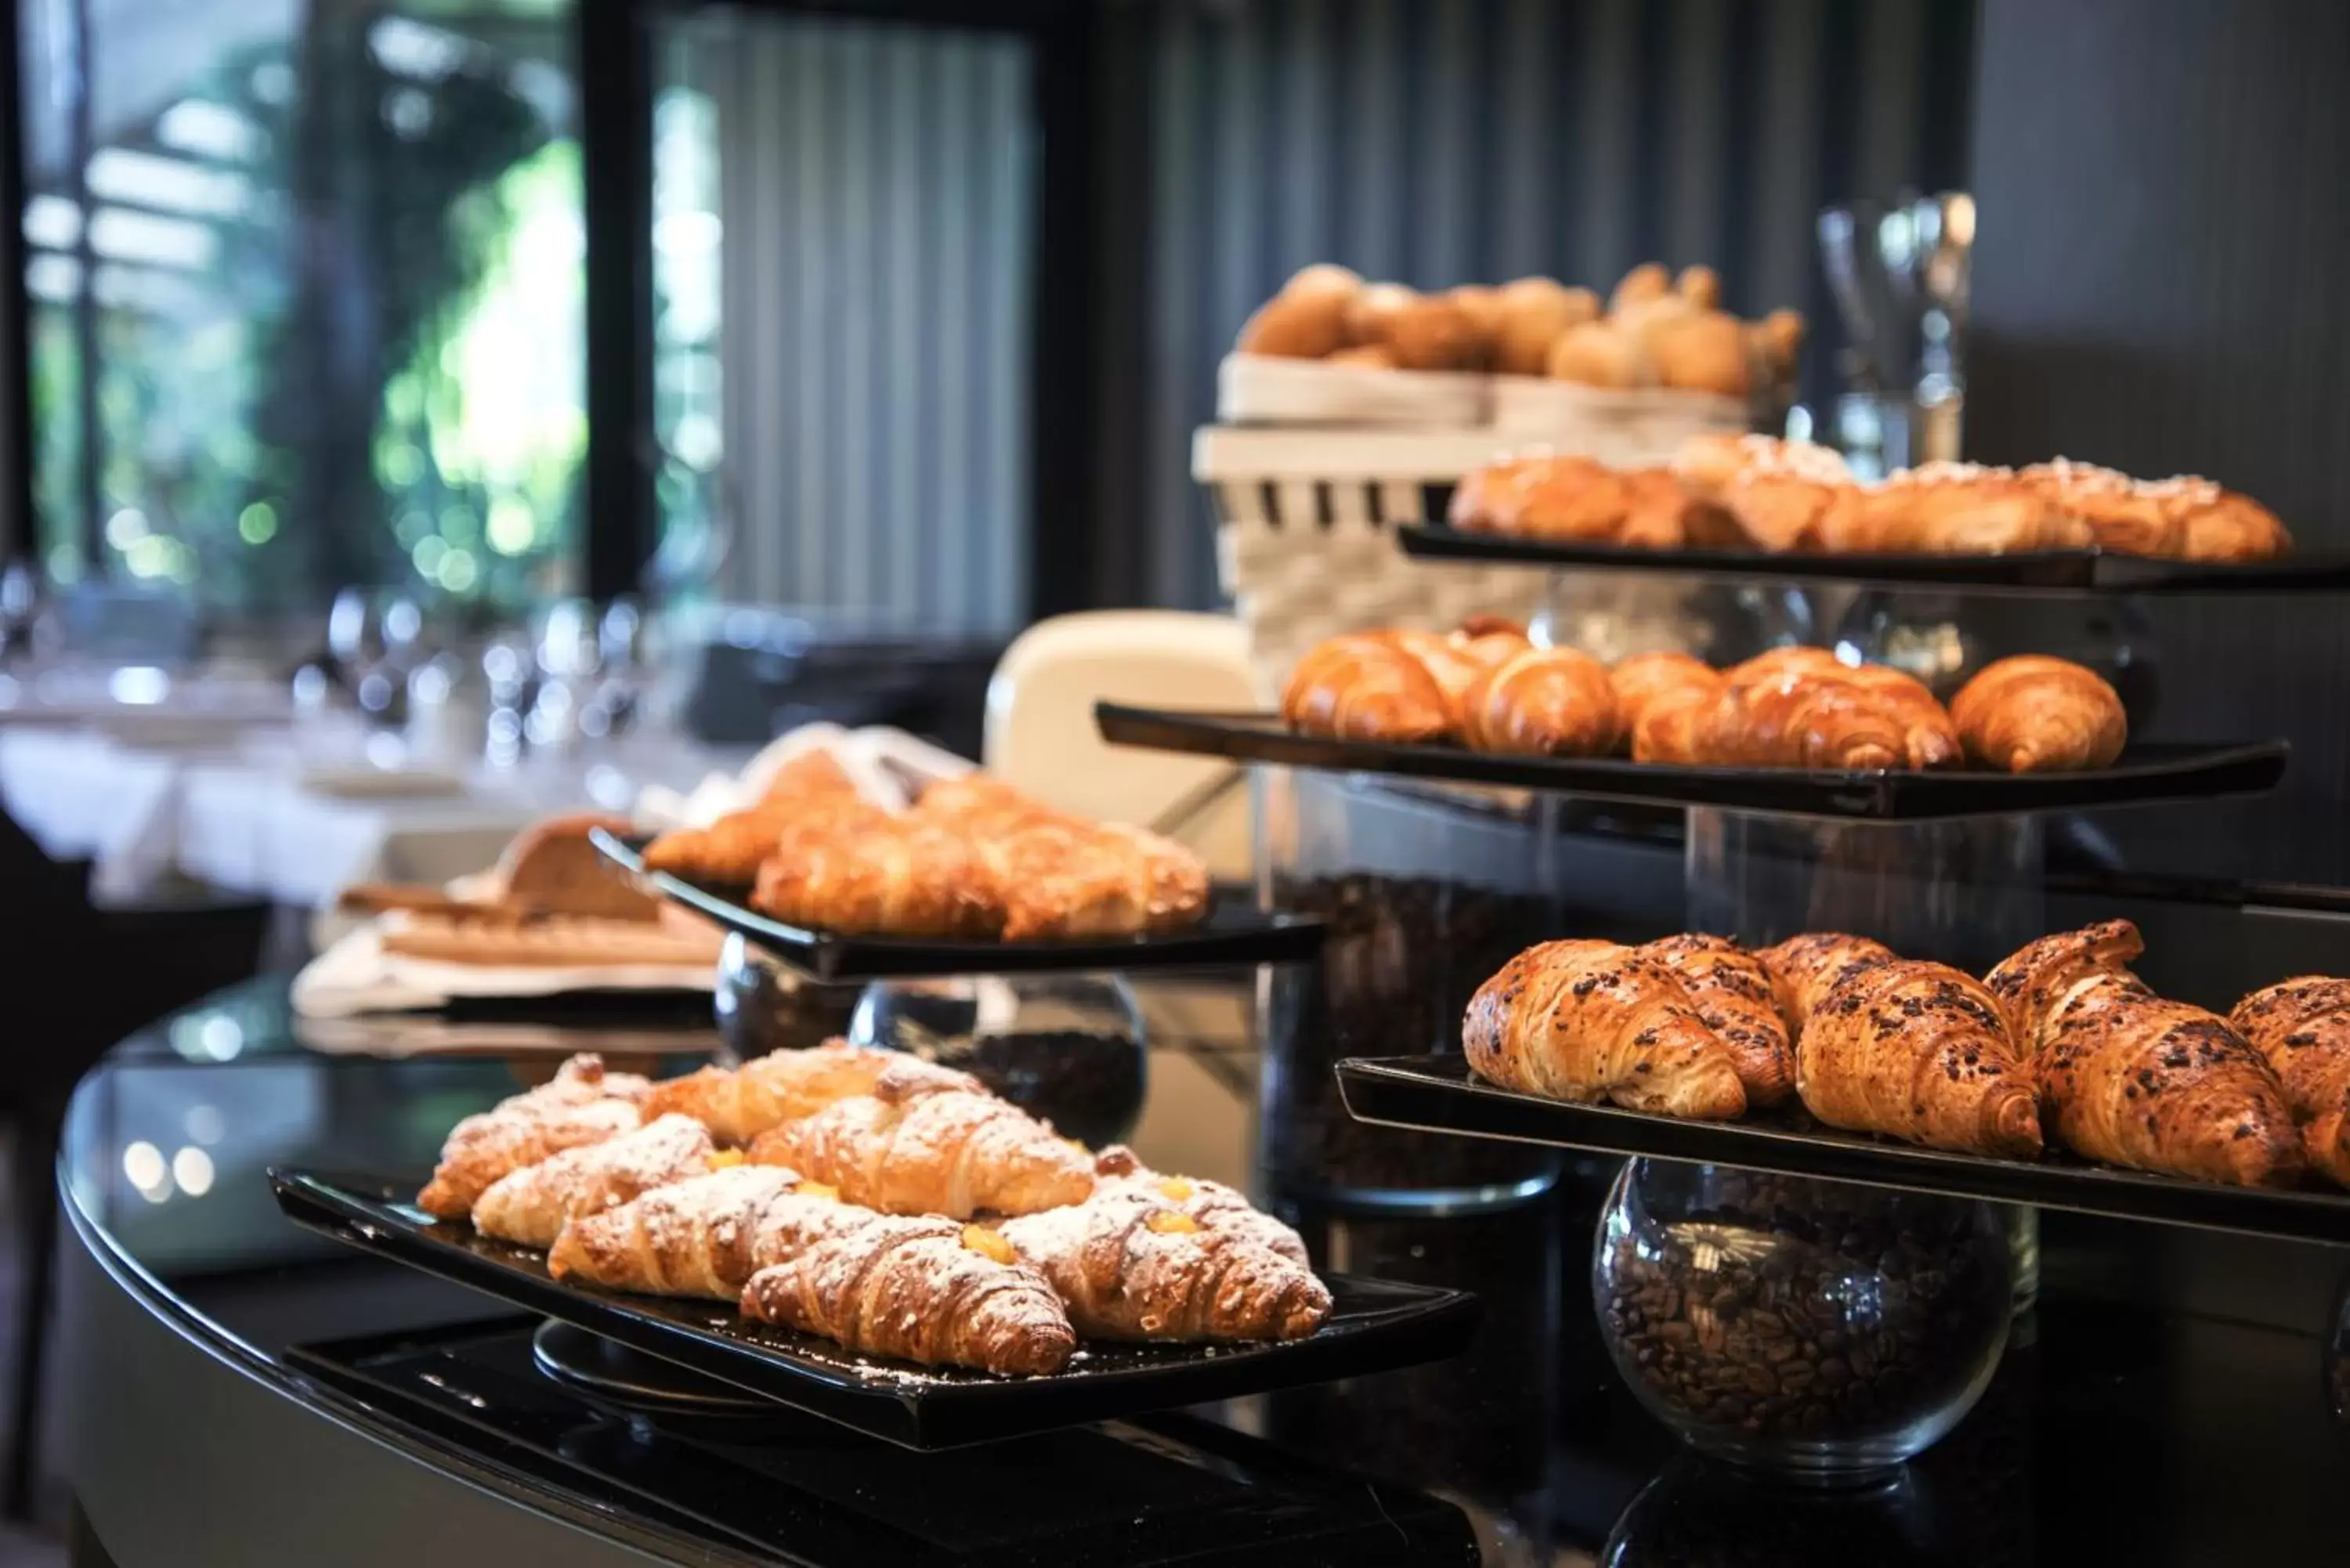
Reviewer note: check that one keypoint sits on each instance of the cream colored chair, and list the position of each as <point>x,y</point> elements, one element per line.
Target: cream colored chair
<point>1041,734</point>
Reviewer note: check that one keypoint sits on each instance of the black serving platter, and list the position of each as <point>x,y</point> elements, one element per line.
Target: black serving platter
<point>2146,774</point>
<point>1374,1325</point>
<point>1234,932</point>
<point>1163,1490</point>
<point>2090,571</point>
<point>1439,1093</point>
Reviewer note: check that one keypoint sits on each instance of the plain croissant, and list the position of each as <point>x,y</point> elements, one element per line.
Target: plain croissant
<point>2032,714</point>
<point>911,1147</point>
<point>2302,1026</point>
<point>1541,702</point>
<point>1919,1051</point>
<point>1594,1020</point>
<point>1365,687</point>
<point>2139,1080</point>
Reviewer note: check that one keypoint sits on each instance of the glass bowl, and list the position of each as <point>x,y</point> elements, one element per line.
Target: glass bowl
<point>762,1005</point>
<point>1069,1048</point>
<point>1813,1329</point>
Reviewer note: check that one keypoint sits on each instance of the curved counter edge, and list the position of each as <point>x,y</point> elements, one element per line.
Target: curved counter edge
<point>186,1449</point>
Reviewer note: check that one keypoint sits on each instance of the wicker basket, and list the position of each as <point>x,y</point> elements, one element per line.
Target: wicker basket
<point>1307,517</point>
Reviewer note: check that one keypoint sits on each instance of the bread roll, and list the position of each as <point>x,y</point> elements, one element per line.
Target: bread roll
<point>1372,313</point>
<point>1699,286</point>
<point>1597,354</point>
<point>1646,282</point>
<point>1367,357</point>
<point>1701,352</point>
<point>1431,333</point>
<point>1308,326</point>
<point>1482,308</point>
<point>1323,278</point>
<point>1534,314</point>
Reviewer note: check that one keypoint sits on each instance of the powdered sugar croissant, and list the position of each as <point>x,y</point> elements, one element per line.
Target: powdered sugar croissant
<point>532,1205</point>
<point>582,1105</point>
<point>911,1147</point>
<point>739,1104</point>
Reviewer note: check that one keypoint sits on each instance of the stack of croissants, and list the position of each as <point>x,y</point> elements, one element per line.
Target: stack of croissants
<point>1655,329</point>
<point>973,860</point>
<point>890,1205</point>
<point>1487,688</point>
<point>2059,1042</point>
<point>1753,492</point>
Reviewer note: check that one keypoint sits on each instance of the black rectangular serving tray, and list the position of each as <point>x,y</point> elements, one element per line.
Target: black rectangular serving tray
<point>2146,774</point>
<point>1234,932</point>
<point>800,1488</point>
<point>1374,1325</point>
<point>1439,1093</point>
<point>2089,571</point>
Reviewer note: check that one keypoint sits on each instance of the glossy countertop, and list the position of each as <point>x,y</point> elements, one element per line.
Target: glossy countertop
<point>2144,1415</point>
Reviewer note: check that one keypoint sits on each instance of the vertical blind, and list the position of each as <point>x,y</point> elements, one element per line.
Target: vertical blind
<point>879,203</point>
<point>874,192</point>
<point>1444,141</point>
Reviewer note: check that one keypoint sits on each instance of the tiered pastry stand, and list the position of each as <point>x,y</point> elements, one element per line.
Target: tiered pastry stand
<point>1946,866</point>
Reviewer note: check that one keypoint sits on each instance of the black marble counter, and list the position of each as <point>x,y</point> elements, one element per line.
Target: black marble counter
<point>245,1393</point>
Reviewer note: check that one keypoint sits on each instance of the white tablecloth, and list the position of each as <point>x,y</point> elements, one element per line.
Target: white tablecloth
<point>237,814</point>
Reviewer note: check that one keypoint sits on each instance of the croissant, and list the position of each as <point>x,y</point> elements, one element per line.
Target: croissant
<point>1570,499</point>
<point>1801,967</point>
<point>1929,736</point>
<point>2232,527</point>
<point>1919,1051</point>
<point>2034,714</point>
<point>2302,1026</point>
<point>531,1205</point>
<point>927,1290</point>
<point>1542,702</point>
<point>582,1105</point>
<point>2119,513</point>
<point>739,1104</point>
<point>893,875</point>
<point>911,1147</point>
<point>1213,1205</point>
<point>1061,877</point>
<point>1364,686</point>
<point>1646,677</point>
<point>704,1236</point>
<point>1732,993</point>
<point>1666,700</point>
<point>1786,511</point>
<point>1957,508</point>
<point>2139,1080</point>
<point>1592,1021</point>
<point>1129,1267</point>
<point>1803,720</point>
<point>811,792</point>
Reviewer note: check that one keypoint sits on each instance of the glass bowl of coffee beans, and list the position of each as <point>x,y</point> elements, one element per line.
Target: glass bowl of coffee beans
<point>1816,1329</point>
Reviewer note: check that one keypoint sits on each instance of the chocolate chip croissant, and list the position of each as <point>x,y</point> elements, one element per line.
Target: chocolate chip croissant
<point>1592,1021</point>
<point>1919,1052</point>
<point>2302,1026</point>
<point>2139,1080</point>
